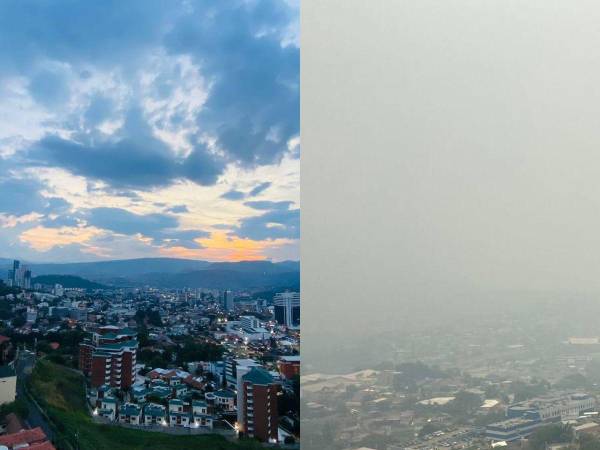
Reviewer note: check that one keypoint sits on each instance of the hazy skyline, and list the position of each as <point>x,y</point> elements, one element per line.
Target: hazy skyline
<point>461,164</point>
<point>148,128</point>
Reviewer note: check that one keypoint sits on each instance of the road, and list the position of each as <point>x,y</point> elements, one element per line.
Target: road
<point>23,366</point>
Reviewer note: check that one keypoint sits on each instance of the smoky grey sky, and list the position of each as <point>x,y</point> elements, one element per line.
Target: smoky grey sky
<point>447,145</point>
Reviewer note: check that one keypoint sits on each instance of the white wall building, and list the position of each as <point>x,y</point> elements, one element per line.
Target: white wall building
<point>8,384</point>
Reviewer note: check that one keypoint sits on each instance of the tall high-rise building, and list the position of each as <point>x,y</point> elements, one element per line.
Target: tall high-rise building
<point>19,276</point>
<point>26,279</point>
<point>109,357</point>
<point>287,308</point>
<point>16,265</point>
<point>257,405</point>
<point>58,290</point>
<point>228,300</point>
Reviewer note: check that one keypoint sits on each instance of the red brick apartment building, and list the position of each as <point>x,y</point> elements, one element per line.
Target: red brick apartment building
<point>289,366</point>
<point>109,357</point>
<point>258,416</point>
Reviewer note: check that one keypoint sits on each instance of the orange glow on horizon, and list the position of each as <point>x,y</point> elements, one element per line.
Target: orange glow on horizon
<point>221,247</point>
<point>43,239</point>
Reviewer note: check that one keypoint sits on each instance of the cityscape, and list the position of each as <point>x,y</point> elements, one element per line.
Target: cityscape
<point>187,362</point>
<point>149,225</point>
<point>513,378</point>
<point>153,292</point>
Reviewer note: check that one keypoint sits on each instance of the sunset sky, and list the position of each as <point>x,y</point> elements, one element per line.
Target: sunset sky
<point>149,128</point>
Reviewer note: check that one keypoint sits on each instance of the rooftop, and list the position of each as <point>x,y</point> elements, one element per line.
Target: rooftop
<point>23,437</point>
<point>225,393</point>
<point>130,409</point>
<point>258,375</point>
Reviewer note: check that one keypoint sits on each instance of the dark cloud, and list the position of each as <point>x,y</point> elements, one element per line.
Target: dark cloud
<point>98,33</point>
<point>222,226</point>
<point>63,220</point>
<point>202,167</point>
<point>233,195</point>
<point>125,222</point>
<point>271,225</point>
<point>185,238</point>
<point>177,209</point>
<point>134,163</point>
<point>259,189</point>
<point>135,160</point>
<point>160,227</point>
<point>49,88</point>
<point>253,105</point>
<point>99,109</point>
<point>57,205</point>
<point>21,196</point>
<point>252,108</point>
<point>267,205</point>
<point>59,214</point>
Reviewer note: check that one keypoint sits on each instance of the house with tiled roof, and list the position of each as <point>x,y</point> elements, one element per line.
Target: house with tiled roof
<point>200,415</point>
<point>180,419</point>
<point>176,405</point>
<point>160,392</point>
<point>155,414</point>
<point>33,439</point>
<point>196,383</point>
<point>199,407</point>
<point>225,399</point>
<point>181,390</point>
<point>108,408</point>
<point>139,394</point>
<point>130,413</point>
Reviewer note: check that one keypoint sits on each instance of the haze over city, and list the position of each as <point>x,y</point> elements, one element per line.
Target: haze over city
<point>453,296</point>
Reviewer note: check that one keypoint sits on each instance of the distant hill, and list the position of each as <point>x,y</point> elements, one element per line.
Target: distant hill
<point>173,272</point>
<point>257,266</point>
<point>223,279</point>
<point>124,268</point>
<point>67,281</point>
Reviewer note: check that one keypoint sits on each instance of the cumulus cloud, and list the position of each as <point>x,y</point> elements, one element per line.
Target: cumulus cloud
<point>253,106</point>
<point>162,228</point>
<point>234,194</point>
<point>131,99</point>
<point>274,224</point>
<point>133,159</point>
<point>258,189</point>
<point>178,209</point>
<point>20,196</point>
<point>269,205</point>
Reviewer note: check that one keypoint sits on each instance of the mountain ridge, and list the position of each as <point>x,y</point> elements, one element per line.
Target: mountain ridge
<point>175,272</point>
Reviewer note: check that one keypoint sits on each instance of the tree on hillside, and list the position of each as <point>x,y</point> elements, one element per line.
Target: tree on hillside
<point>550,434</point>
<point>429,428</point>
<point>589,442</point>
<point>464,403</point>
<point>525,391</point>
<point>573,381</point>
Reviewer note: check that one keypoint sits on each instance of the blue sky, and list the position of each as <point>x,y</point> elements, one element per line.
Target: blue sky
<point>149,128</point>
